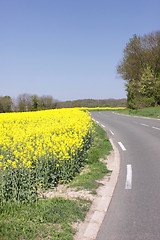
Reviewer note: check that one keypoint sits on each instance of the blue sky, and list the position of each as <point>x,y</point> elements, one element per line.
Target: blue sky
<point>69,48</point>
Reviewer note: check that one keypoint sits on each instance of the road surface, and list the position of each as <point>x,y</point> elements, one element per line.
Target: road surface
<point>134,211</point>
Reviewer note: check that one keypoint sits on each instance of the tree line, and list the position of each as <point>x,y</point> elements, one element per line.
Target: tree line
<point>92,103</point>
<point>27,102</point>
<point>140,68</point>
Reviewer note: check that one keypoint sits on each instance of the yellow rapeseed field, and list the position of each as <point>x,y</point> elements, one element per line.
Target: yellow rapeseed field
<point>102,108</point>
<point>41,148</point>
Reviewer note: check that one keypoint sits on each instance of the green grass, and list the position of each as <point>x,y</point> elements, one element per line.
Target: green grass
<point>53,218</point>
<point>48,219</point>
<point>96,169</point>
<point>152,112</point>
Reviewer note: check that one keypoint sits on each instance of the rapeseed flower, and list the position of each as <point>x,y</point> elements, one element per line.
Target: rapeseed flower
<point>46,145</point>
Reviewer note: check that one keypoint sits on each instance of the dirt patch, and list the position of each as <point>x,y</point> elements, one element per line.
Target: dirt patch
<point>68,193</point>
<point>73,193</point>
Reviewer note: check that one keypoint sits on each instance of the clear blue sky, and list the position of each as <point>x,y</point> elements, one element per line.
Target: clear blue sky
<point>69,48</point>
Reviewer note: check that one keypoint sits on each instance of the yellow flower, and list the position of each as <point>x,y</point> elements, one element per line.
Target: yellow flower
<point>51,135</point>
<point>9,161</point>
<point>29,164</point>
<point>14,164</point>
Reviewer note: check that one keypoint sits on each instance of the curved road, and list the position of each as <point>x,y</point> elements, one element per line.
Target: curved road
<point>134,211</point>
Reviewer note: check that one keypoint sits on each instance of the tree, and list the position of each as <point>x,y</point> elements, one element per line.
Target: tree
<point>27,102</point>
<point>24,102</point>
<point>35,102</point>
<point>5,104</point>
<point>140,67</point>
<point>46,102</point>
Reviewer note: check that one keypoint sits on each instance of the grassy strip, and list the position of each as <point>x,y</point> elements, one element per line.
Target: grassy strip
<point>152,112</point>
<point>96,169</point>
<point>52,218</point>
<point>48,219</point>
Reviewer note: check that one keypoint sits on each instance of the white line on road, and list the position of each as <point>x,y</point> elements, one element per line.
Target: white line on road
<point>97,122</point>
<point>111,132</point>
<point>122,146</point>
<point>144,125</point>
<point>102,125</point>
<point>156,128</point>
<point>128,184</point>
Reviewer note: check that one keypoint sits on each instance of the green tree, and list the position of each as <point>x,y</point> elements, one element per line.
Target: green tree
<point>5,104</point>
<point>35,102</point>
<point>140,67</point>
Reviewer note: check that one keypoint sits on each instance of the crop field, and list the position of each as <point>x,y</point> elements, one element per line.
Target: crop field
<point>40,149</point>
<point>102,108</point>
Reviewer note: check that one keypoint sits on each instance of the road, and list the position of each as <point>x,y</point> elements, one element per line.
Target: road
<point>134,211</point>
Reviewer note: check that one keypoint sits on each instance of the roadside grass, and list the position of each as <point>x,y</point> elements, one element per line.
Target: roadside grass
<point>53,218</point>
<point>96,169</point>
<point>152,112</point>
<point>48,219</point>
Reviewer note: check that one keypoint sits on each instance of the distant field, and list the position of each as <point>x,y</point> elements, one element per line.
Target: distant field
<point>153,112</point>
<point>102,108</point>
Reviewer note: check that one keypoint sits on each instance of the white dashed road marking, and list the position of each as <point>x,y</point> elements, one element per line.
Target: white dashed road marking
<point>128,184</point>
<point>156,128</point>
<point>111,132</point>
<point>144,125</point>
<point>122,146</point>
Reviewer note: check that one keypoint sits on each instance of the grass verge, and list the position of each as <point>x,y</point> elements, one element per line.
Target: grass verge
<point>48,219</point>
<point>96,169</point>
<point>152,112</point>
<point>53,218</point>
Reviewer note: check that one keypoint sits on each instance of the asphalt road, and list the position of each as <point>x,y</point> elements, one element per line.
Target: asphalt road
<point>134,211</point>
